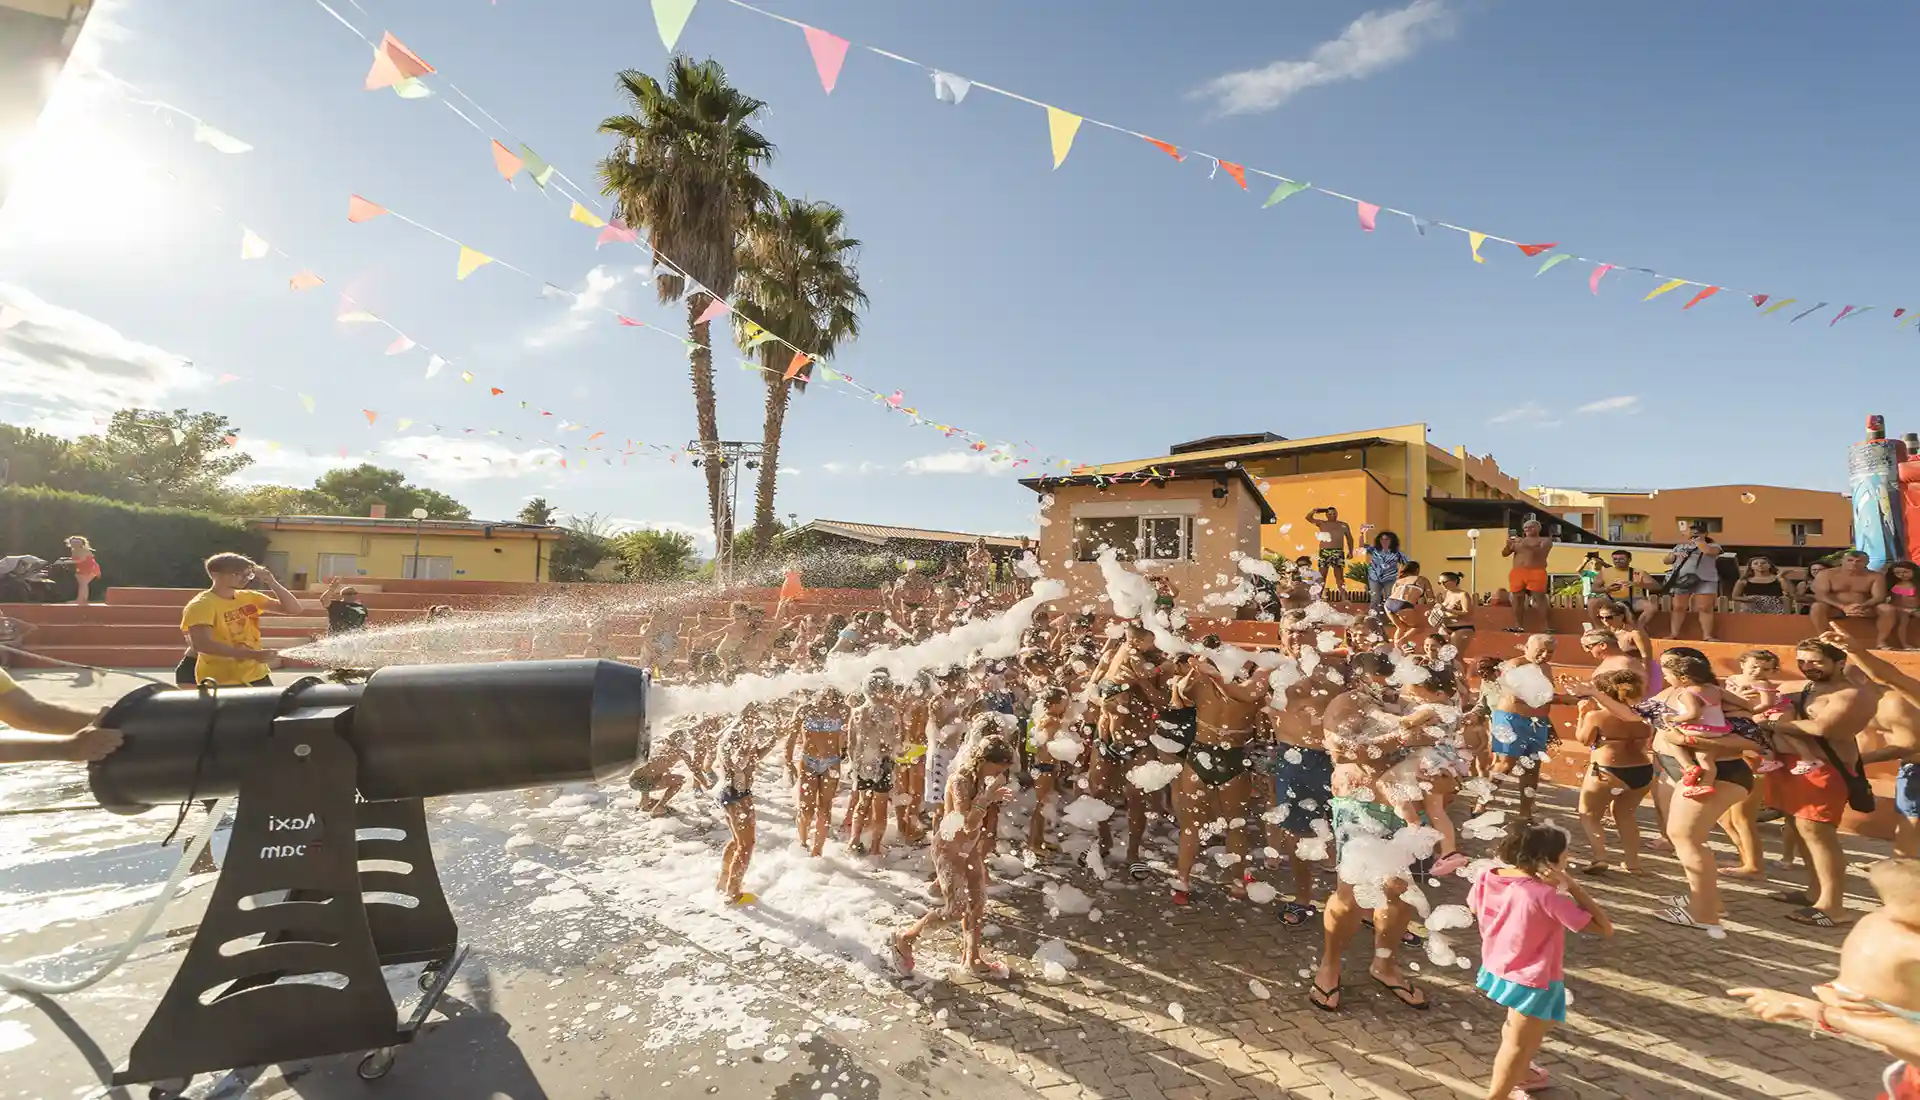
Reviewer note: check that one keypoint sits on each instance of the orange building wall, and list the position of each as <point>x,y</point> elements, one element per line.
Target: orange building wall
<point>1231,525</point>
<point>1359,497</point>
<point>1761,523</point>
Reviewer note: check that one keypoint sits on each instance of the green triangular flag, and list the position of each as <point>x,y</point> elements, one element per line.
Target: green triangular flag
<point>1285,191</point>
<point>539,169</point>
<point>1551,261</point>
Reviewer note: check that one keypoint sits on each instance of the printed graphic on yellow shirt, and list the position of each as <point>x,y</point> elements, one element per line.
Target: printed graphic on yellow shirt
<point>235,621</point>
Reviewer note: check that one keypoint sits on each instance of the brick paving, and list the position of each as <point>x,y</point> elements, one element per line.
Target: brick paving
<point>1650,1017</point>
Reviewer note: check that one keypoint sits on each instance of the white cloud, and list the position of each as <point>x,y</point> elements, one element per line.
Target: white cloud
<point>588,300</point>
<point>956,462</point>
<point>276,463</point>
<point>465,458</point>
<point>71,366</point>
<point>852,467</point>
<point>1375,41</point>
<point>789,471</point>
<point>1529,413</point>
<point>1624,404</point>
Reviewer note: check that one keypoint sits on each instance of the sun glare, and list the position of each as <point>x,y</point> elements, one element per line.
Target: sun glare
<point>79,187</point>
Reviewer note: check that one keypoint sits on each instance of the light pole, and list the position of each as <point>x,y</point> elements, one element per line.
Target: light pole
<point>419,520</point>
<point>729,455</point>
<point>1473,561</point>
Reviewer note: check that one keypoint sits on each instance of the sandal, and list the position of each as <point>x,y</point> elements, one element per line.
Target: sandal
<point>1140,871</point>
<point>1404,994</point>
<point>1323,999</point>
<point>1296,913</point>
<point>1536,1078</point>
<point>1182,898</point>
<point>1812,917</point>
<point>1596,869</point>
<point>1791,897</point>
<point>1679,917</point>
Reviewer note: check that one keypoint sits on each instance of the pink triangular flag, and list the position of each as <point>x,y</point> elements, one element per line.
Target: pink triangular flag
<point>392,63</point>
<point>1368,212</point>
<point>225,378</point>
<point>403,344</point>
<point>629,322</point>
<point>360,210</point>
<point>616,230</point>
<point>829,53</point>
<point>716,308</point>
<point>305,280</point>
<point>1844,310</point>
<point>505,160</point>
<point>1593,281</point>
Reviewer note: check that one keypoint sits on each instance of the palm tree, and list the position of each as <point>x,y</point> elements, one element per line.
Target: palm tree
<point>685,169</point>
<point>797,280</point>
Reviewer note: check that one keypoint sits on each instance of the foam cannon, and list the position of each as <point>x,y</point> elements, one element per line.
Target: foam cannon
<point>329,875</point>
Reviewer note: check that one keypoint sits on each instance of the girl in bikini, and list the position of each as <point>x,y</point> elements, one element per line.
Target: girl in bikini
<point>1403,604</point>
<point>977,787</point>
<point>1620,774</point>
<point>1048,717</point>
<point>822,728</point>
<point>746,742</point>
<point>1903,592</point>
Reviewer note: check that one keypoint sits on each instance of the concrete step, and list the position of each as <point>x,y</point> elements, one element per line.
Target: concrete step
<point>41,614</point>
<point>142,634</point>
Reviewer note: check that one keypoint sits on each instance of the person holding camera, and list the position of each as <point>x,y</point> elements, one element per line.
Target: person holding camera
<point>1694,581</point>
<point>223,622</point>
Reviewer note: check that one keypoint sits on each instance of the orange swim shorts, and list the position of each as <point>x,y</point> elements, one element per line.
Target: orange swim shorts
<point>1819,796</point>
<point>1527,580</point>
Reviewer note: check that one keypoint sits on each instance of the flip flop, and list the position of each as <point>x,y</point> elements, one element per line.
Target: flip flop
<point>1182,898</point>
<point>1596,869</point>
<point>1813,917</point>
<point>1536,1078</point>
<point>1322,999</point>
<point>1679,917</point>
<point>1295,914</point>
<point>1140,871</point>
<point>1403,993</point>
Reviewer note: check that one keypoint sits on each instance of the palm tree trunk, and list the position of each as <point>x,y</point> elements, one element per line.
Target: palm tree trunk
<point>778,391</point>
<point>707,414</point>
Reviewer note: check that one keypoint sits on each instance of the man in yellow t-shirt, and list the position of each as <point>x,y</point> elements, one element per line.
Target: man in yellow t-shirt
<point>48,731</point>
<point>224,622</point>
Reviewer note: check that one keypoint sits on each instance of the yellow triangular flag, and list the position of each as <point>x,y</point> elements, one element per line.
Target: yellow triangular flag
<point>1475,240</point>
<point>471,260</point>
<point>586,217</point>
<point>1663,288</point>
<point>252,246</point>
<point>1061,125</point>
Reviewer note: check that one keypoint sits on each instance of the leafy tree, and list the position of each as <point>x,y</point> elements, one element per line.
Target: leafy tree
<point>797,279</point>
<point>281,500</point>
<point>537,511</point>
<point>33,458</point>
<point>358,489</point>
<point>650,555</point>
<point>685,168</point>
<point>581,550</point>
<point>175,458</point>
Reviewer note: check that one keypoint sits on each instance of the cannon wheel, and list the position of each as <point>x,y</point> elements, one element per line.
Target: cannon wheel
<point>171,1088</point>
<point>376,1064</point>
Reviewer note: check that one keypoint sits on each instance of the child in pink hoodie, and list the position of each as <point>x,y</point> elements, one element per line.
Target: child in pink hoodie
<point>1524,918</point>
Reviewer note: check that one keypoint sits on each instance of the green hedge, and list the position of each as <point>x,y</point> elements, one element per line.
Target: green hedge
<point>138,546</point>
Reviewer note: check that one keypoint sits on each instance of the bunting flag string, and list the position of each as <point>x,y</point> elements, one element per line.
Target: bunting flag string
<point>1063,126</point>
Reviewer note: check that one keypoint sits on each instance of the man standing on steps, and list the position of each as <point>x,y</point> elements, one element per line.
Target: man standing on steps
<point>345,612</point>
<point>224,622</point>
<point>1831,709</point>
<point>1527,580</point>
<point>1336,546</point>
<point>1896,718</point>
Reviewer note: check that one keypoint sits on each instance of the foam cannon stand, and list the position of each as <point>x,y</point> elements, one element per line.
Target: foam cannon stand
<point>329,876</point>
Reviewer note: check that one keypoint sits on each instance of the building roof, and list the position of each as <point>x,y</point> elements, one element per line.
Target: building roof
<point>876,534</point>
<point>1170,472</point>
<point>1216,442</point>
<point>1243,448</point>
<point>400,526</point>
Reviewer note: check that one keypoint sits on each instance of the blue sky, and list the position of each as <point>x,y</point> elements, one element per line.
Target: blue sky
<point>1101,310</point>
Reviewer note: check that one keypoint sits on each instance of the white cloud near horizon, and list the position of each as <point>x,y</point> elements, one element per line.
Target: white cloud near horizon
<point>701,534</point>
<point>1622,404</point>
<point>1375,41</point>
<point>71,366</point>
<point>1531,413</point>
<point>956,462</point>
<point>589,298</point>
<point>464,458</point>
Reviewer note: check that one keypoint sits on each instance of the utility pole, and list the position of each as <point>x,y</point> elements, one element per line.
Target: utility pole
<point>731,455</point>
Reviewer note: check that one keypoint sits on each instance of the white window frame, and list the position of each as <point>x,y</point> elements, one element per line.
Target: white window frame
<point>1141,512</point>
<point>320,566</point>
<point>410,567</point>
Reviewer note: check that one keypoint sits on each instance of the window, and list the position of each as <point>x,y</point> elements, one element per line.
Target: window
<point>1712,523</point>
<point>426,568</point>
<point>1797,530</point>
<point>338,565</point>
<point>1144,538</point>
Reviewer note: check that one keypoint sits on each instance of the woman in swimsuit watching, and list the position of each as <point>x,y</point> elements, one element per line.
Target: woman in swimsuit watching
<point>1620,773</point>
<point>821,725</point>
<point>1761,589</point>
<point>1903,592</point>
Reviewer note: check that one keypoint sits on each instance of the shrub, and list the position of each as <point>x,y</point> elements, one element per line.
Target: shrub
<point>139,546</point>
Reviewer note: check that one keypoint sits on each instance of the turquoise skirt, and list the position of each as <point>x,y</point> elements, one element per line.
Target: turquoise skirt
<point>1541,1004</point>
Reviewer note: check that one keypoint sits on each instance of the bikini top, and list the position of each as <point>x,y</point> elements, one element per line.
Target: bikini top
<point>824,725</point>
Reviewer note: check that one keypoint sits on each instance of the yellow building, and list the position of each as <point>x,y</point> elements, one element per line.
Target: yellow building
<point>1792,525</point>
<point>1451,509</point>
<point>308,550</point>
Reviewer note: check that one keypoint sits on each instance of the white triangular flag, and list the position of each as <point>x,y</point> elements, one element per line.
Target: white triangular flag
<point>220,142</point>
<point>434,364</point>
<point>252,247</point>
<point>948,88</point>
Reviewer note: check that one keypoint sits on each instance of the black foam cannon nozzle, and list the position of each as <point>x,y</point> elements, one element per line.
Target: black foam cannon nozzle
<point>418,730</point>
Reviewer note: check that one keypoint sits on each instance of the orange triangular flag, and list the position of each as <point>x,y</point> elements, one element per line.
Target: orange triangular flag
<point>370,415</point>
<point>392,63</point>
<point>495,390</point>
<point>360,210</point>
<point>1536,249</point>
<point>1701,297</point>
<point>306,280</point>
<point>1166,148</point>
<point>1237,171</point>
<point>790,587</point>
<point>506,161</point>
<point>794,368</point>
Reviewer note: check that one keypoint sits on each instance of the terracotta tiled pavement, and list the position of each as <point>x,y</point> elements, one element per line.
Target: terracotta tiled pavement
<point>1650,1017</point>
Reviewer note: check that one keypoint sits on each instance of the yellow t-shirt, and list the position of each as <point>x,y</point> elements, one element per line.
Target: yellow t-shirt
<point>6,682</point>
<point>1616,582</point>
<point>236,622</point>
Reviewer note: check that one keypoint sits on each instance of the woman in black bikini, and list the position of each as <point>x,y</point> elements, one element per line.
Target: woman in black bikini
<point>1620,774</point>
<point>1761,590</point>
<point>821,726</point>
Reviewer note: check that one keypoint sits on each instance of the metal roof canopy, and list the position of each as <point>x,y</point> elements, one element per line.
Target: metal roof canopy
<point>1170,473</point>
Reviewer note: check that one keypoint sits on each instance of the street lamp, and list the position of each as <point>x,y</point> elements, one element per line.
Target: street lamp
<point>419,519</point>
<point>1473,561</point>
